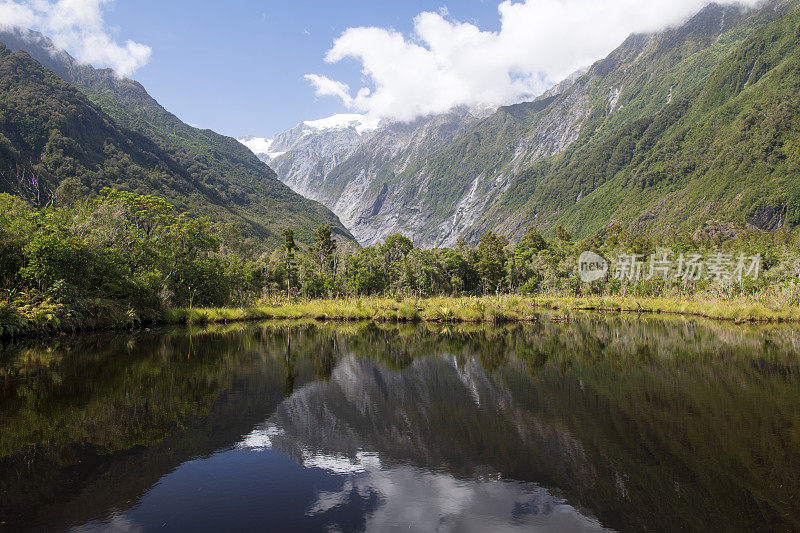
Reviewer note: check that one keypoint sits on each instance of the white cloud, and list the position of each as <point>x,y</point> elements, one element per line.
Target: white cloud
<point>76,26</point>
<point>327,87</point>
<point>13,14</point>
<point>445,63</point>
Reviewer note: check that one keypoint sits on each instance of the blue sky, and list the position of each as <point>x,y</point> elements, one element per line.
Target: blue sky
<point>237,67</point>
<point>250,67</point>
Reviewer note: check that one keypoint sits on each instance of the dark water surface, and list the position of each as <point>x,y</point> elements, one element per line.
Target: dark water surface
<point>601,423</point>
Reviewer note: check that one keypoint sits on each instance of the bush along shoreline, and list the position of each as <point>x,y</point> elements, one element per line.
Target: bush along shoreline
<point>120,260</point>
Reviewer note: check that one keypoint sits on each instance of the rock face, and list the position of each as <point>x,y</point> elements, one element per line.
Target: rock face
<point>467,171</point>
<point>345,162</point>
<point>305,154</point>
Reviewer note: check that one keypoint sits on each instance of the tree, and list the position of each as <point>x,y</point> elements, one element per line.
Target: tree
<point>395,251</point>
<point>323,262</point>
<point>462,275</point>
<point>155,242</point>
<point>396,247</point>
<point>533,241</point>
<point>491,260</point>
<point>324,249</point>
<point>26,182</point>
<point>365,272</point>
<point>289,248</point>
<point>563,235</point>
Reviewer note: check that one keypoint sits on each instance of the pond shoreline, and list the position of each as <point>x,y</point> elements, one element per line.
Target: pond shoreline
<point>485,309</point>
<point>488,309</point>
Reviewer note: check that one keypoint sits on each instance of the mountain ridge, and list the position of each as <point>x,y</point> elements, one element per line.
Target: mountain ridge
<point>717,154</point>
<point>487,173</point>
<point>248,192</point>
<point>337,165</point>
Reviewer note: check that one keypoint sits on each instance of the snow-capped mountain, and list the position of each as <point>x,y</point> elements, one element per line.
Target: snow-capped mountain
<point>328,134</point>
<point>337,160</point>
<point>361,123</point>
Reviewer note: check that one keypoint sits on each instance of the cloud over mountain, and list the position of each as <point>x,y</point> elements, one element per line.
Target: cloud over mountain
<point>445,62</point>
<point>77,26</point>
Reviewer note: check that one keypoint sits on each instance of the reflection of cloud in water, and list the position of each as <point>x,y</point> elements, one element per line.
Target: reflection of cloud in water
<point>412,498</point>
<point>261,439</point>
<point>363,462</point>
<point>116,523</point>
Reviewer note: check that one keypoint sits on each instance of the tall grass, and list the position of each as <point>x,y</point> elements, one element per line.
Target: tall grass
<point>443,309</point>
<point>488,309</point>
<point>735,309</point>
<point>42,317</point>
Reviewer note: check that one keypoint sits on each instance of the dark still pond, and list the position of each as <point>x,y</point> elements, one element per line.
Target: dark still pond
<point>636,424</point>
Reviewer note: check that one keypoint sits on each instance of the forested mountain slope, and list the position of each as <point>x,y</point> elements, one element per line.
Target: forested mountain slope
<point>724,152</point>
<point>48,129</point>
<point>520,165</point>
<point>238,187</point>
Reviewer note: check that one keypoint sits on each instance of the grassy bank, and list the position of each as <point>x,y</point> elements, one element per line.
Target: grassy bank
<point>19,319</point>
<point>486,309</point>
<point>737,310</point>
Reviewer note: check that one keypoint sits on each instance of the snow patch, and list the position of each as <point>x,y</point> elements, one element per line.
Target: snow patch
<point>482,110</point>
<point>260,146</point>
<point>361,123</point>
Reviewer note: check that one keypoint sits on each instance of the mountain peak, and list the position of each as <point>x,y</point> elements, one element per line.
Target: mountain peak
<point>361,123</point>
<point>482,110</point>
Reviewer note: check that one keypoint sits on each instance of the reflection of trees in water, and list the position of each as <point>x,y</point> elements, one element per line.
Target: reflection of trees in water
<point>103,417</point>
<point>641,421</point>
<point>288,383</point>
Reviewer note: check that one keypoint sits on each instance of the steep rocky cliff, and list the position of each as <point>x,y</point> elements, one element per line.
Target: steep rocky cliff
<point>344,162</point>
<point>465,173</point>
<point>304,155</point>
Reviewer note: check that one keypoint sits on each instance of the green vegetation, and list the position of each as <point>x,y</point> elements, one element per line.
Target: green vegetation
<point>111,261</point>
<point>58,143</point>
<point>121,260</point>
<point>488,309</point>
<point>723,151</point>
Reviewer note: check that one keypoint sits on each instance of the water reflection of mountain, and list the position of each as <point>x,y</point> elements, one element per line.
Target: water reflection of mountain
<point>645,424</point>
<point>648,425</point>
<point>417,477</point>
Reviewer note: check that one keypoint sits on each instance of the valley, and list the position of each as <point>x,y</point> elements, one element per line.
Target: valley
<point>574,155</point>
